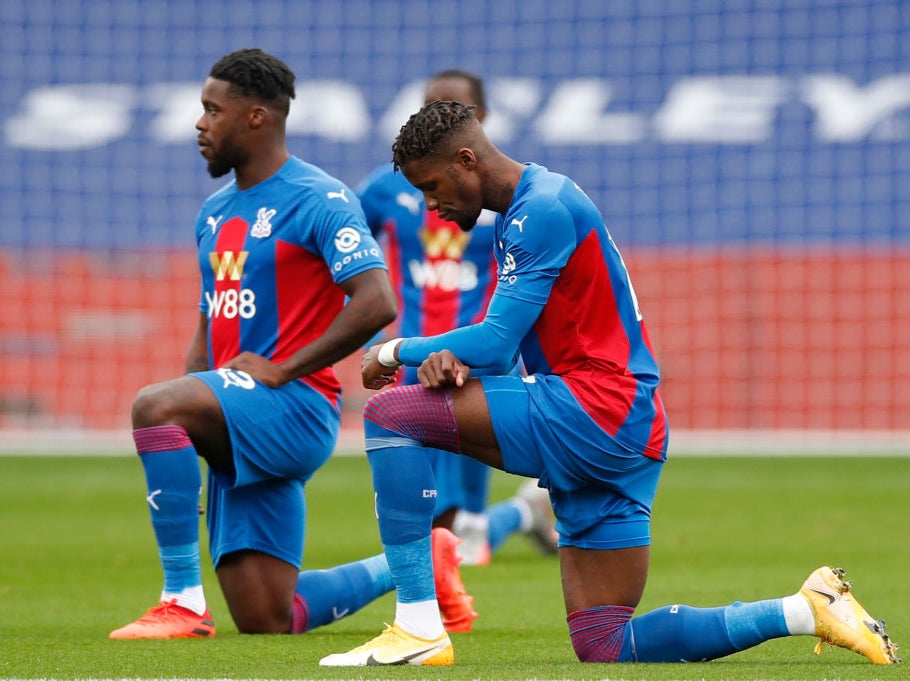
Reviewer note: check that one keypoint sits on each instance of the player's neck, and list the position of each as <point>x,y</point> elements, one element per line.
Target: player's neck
<point>504,177</point>
<point>260,168</point>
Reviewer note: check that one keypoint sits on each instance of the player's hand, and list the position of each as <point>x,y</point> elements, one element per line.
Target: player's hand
<point>374,375</point>
<point>263,370</point>
<point>442,369</point>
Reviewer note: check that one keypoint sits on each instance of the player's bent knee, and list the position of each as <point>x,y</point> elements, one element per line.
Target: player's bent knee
<point>425,416</point>
<point>262,625</point>
<point>149,407</point>
<point>598,633</point>
<point>167,402</point>
<point>262,616</point>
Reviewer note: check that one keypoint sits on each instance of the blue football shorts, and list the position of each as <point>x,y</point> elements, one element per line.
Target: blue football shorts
<point>280,437</point>
<point>601,491</point>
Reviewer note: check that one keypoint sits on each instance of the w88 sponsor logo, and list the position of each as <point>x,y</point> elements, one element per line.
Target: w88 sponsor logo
<point>231,303</point>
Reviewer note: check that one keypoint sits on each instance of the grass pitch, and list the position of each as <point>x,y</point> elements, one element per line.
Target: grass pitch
<point>78,559</point>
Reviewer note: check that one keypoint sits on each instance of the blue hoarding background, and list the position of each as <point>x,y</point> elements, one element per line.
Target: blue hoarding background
<point>702,122</point>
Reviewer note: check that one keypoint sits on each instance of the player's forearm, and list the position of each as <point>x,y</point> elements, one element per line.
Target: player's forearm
<point>475,346</point>
<point>197,356</point>
<point>369,310</point>
<point>197,364</point>
<point>334,345</point>
<point>491,343</point>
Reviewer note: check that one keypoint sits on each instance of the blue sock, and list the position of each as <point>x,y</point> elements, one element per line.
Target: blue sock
<point>343,590</point>
<point>182,566</point>
<point>505,520</point>
<point>411,566</point>
<point>680,633</point>
<point>677,633</point>
<point>174,481</point>
<point>405,490</point>
<point>749,624</point>
<point>405,503</point>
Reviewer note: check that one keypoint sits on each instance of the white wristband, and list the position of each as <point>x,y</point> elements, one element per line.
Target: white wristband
<point>386,356</point>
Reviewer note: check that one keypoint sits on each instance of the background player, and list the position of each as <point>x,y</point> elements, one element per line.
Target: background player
<point>588,421</point>
<point>444,277</point>
<point>279,249</point>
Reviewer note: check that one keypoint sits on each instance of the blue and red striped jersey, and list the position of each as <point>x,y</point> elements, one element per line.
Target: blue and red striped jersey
<point>554,249</point>
<point>555,256</point>
<point>271,257</point>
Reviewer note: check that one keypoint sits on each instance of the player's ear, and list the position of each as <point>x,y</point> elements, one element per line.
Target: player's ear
<point>257,116</point>
<point>466,158</point>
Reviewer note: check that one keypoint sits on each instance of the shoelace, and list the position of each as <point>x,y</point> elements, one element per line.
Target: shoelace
<point>160,609</point>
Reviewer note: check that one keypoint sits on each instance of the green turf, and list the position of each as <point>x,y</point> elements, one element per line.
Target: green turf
<point>78,560</point>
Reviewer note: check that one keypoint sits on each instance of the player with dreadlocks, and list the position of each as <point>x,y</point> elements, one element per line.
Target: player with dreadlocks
<point>588,421</point>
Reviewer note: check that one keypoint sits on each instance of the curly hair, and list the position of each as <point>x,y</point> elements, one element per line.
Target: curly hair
<point>255,73</point>
<point>427,131</point>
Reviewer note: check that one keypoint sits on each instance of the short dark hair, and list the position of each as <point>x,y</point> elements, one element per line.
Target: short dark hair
<point>478,91</point>
<point>255,73</point>
<point>427,131</point>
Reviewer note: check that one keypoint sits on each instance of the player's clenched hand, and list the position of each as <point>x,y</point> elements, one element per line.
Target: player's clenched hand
<point>263,370</point>
<point>441,369</point>
<point>374,374</point>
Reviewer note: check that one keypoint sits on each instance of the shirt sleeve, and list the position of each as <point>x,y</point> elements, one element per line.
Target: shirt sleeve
<point>494,342</point>
<point>341,234</point>
<point>537,240</point>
